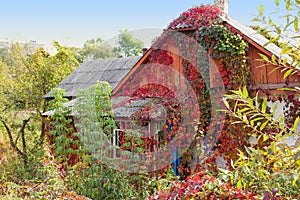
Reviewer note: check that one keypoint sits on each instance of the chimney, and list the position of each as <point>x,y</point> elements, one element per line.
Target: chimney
<point>223,6</point>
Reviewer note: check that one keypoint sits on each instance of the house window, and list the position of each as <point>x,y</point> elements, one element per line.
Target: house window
<point>117,142</point>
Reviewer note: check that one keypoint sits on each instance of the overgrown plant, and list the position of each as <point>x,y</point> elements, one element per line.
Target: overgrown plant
<point>25,77</point>
<point>96,176</point>
<point>62,140</point>
<point>269,164</point>
<point>93,109</point>
<point>201,186</point>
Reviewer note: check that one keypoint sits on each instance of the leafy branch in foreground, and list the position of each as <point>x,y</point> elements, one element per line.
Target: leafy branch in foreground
<point>285,35</point>
<point>254,114</point>
<point>271,168</point>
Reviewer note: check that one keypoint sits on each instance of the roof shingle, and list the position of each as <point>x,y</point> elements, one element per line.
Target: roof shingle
<point>88,73</point>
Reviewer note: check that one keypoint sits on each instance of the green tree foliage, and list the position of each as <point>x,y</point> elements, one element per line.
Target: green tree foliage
<point>25,78</point>
<point>97,49</point>
<point>128,45</point>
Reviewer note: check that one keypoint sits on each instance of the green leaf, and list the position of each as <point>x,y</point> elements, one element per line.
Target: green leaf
<point>296,123</point>
<point>263,125</point>
<point>245,119</point>
<point>264,57</point>
<point>288,89</point>
<point>273,70</point>
<point>244,110</point>
<point>288,4</point>
<point>264,105</point>
<point>267,43</point>
<point>277,2</point>
<point>295,181</point>
<point>296,22</point>
<point>256,19</point>
<point>274,59</point>
<point>245,92</point>
<point>265,137</point>
<point>274,109</point>
<point>256,119</point>
<point>226,103</point>
<point>287,73</point>
<point>250,103</point>
<point>287,49</point>
<point>261,10</point>
<point>248,150</point>
<point>239,184</point>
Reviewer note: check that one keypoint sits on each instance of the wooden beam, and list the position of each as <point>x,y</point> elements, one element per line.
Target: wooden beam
<point>132,71</point>
<point>273,86</point>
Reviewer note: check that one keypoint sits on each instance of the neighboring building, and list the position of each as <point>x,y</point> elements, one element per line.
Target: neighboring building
<point>29,47</point>
<point>4,44</point>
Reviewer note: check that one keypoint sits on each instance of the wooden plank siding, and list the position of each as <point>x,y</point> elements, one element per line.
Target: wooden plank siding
<point>261,76</point>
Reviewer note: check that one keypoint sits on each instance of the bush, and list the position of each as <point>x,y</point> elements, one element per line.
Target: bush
<point>48,184</point>
<point>202,186</point>
<point>98,181</point>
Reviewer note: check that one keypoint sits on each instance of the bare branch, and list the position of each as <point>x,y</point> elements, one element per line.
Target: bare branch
<point>12,143</point>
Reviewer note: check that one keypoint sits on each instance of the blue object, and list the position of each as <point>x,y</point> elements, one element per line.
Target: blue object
<point>176,163</point>
<point>176,160</point>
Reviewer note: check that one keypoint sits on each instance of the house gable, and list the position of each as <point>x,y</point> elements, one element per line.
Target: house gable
<point>260,72</point>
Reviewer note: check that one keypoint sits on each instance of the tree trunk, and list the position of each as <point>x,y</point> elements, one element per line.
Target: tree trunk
<point>22,154</point>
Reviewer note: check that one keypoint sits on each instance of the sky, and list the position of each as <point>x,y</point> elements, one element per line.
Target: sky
<point>72,22</point>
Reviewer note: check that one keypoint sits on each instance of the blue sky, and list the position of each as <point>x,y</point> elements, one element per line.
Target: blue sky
<point>72,22</point>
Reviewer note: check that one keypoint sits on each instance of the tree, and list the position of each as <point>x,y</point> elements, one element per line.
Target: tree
<point>25,79</point>
<point>97,49</point>
<point>128,45</point>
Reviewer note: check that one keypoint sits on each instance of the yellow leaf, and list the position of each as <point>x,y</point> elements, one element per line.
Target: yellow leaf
<point>261,10</point>
<point>265,137</point>
<point>296,21</point>
<point>239,184</point>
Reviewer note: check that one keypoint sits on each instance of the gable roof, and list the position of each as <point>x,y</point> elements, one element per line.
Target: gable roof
<point>253,36</point>
<point>88,73</point>
<point>247,32</point>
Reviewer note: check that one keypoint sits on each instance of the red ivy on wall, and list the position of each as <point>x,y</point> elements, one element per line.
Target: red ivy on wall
<point>196,17</point>
<point>161,57</point>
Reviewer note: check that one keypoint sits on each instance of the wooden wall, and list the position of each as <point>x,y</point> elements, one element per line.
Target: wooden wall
<point>261,76</point>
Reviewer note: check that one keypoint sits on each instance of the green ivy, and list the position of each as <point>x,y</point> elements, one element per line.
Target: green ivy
<point>231,49</point>
<point>62,128</point>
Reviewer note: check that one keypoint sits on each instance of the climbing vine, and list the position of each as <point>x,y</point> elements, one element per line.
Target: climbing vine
<point>231,50</point>
<point>216,43</point>
<point>64,143</point>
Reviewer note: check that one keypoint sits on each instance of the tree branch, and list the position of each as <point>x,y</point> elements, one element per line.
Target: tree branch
<point>22,131</point>
<point>12,143</point>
